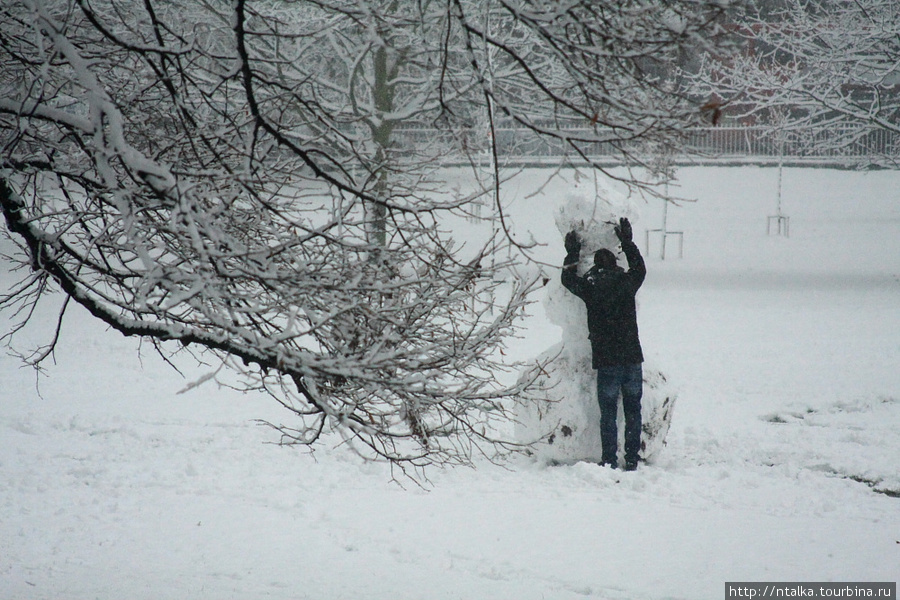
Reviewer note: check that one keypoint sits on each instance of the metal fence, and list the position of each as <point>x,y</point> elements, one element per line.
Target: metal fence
<point>839,146</point>
<point>833,145</point>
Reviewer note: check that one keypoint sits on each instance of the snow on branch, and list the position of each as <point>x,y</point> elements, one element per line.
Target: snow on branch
<point>824,73</point>
<point>237,180</point>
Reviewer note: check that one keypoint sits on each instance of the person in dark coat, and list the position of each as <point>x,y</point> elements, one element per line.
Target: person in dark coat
<point>608,292</point>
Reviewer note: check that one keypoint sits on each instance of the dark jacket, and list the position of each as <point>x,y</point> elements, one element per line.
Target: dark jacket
<point>608,295</point>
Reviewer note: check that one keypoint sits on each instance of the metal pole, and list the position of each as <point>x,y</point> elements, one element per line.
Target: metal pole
<point>780,169</point>
<point>665,226</point>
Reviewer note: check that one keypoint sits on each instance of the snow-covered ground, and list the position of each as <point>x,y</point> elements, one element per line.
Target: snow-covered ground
<point>783,461</point>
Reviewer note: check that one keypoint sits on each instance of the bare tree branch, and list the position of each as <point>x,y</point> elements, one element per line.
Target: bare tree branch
<point>233,180</point>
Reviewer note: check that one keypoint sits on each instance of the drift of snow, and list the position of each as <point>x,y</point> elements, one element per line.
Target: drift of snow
<point>781,462</point>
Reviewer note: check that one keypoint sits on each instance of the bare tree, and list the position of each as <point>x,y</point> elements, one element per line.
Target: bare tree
<point>227,179</point>
<point>825,74</point>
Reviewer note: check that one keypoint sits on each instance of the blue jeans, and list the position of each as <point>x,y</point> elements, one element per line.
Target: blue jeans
<point>629,380</point>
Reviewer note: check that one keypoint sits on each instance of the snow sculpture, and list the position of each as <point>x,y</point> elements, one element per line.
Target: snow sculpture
<point>563,419</point>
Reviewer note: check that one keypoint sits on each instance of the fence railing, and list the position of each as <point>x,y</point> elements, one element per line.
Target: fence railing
<point>844,145</point>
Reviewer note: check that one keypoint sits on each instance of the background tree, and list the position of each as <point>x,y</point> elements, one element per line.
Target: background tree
<point>825,74</point>
<point>230,180</point>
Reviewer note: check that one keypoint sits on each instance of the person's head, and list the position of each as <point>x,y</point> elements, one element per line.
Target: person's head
<point>605,259</point>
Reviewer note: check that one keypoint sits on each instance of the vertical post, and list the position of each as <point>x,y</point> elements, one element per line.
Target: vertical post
<point>780,170</point>
<point>782,222</point>
<point>665,224</point>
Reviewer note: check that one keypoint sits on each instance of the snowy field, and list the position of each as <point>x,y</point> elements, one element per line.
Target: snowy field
<point>782,464</point>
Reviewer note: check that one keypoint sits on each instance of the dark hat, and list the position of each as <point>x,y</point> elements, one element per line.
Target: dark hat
<point>605,259</point>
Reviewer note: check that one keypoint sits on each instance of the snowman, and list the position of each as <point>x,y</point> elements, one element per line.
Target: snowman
<point>561,420</point>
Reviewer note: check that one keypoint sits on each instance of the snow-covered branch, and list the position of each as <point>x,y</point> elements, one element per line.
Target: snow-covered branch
<point>227,178</point>
<point>812,66</point>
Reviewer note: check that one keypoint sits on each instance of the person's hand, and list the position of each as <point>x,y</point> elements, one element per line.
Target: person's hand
<point>623,230</point>
<point>573,243</point>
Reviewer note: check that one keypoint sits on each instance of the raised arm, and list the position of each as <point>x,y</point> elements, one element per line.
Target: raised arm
<point>570,279</point>
<point>637,270</point>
